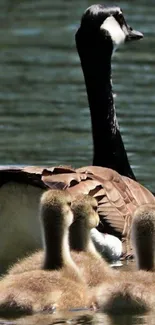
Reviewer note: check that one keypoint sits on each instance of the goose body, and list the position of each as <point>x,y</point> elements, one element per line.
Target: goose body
<point>102,29</point>
<point>58,284</point>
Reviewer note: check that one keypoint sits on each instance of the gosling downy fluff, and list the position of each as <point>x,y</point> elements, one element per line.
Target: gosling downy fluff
<point>59,283</point>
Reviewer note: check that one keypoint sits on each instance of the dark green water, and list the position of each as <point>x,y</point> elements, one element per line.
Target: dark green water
<point>44,114</point>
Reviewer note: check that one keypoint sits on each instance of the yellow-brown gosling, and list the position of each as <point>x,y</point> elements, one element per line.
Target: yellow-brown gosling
<point>134,292</point>
<point>59,283</point>
<point>85,255</point>
<point>93,268</point>
<point>143,237</point>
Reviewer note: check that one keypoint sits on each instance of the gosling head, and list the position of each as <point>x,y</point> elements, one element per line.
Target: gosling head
<point>56,217</point>
<point>86,217</point>
<point>55,207</point>
<point>106,25</point>
<point>85,209</point>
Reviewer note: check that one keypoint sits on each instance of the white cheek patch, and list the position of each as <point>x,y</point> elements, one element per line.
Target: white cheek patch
<point>112,26</point>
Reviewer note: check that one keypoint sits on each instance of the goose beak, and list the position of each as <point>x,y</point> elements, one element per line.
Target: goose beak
<point>133,35</point>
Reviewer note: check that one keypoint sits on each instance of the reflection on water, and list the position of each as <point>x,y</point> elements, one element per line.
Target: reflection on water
<point>44,113</point>
<point>86,318</point>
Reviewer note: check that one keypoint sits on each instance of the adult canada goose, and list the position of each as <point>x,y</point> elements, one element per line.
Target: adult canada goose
<point>22,187</point>
<point>59,283</point>
<point>134,291</point>
<point>83,251</point>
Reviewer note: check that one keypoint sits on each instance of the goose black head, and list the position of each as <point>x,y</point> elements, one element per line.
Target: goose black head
<point>107,25</point>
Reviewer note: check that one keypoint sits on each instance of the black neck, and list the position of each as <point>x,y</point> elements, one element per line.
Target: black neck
<point>109,149</point>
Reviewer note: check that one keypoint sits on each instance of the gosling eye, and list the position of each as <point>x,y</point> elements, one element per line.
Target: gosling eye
<point>95,208</point>
<point>69,203</point>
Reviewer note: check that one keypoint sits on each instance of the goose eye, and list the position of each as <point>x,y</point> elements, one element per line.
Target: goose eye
<point>119,17</point>
<point>130,28</point>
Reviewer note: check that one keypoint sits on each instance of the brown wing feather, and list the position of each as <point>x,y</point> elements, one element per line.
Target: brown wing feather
<point>118,196</point>
<point>122,197</point>
<point>140,193</point>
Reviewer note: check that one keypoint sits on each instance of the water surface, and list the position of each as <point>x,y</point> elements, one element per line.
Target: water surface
<point>44,114</point>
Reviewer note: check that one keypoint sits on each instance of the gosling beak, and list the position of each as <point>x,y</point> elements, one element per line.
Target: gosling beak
<point>132,35</point>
